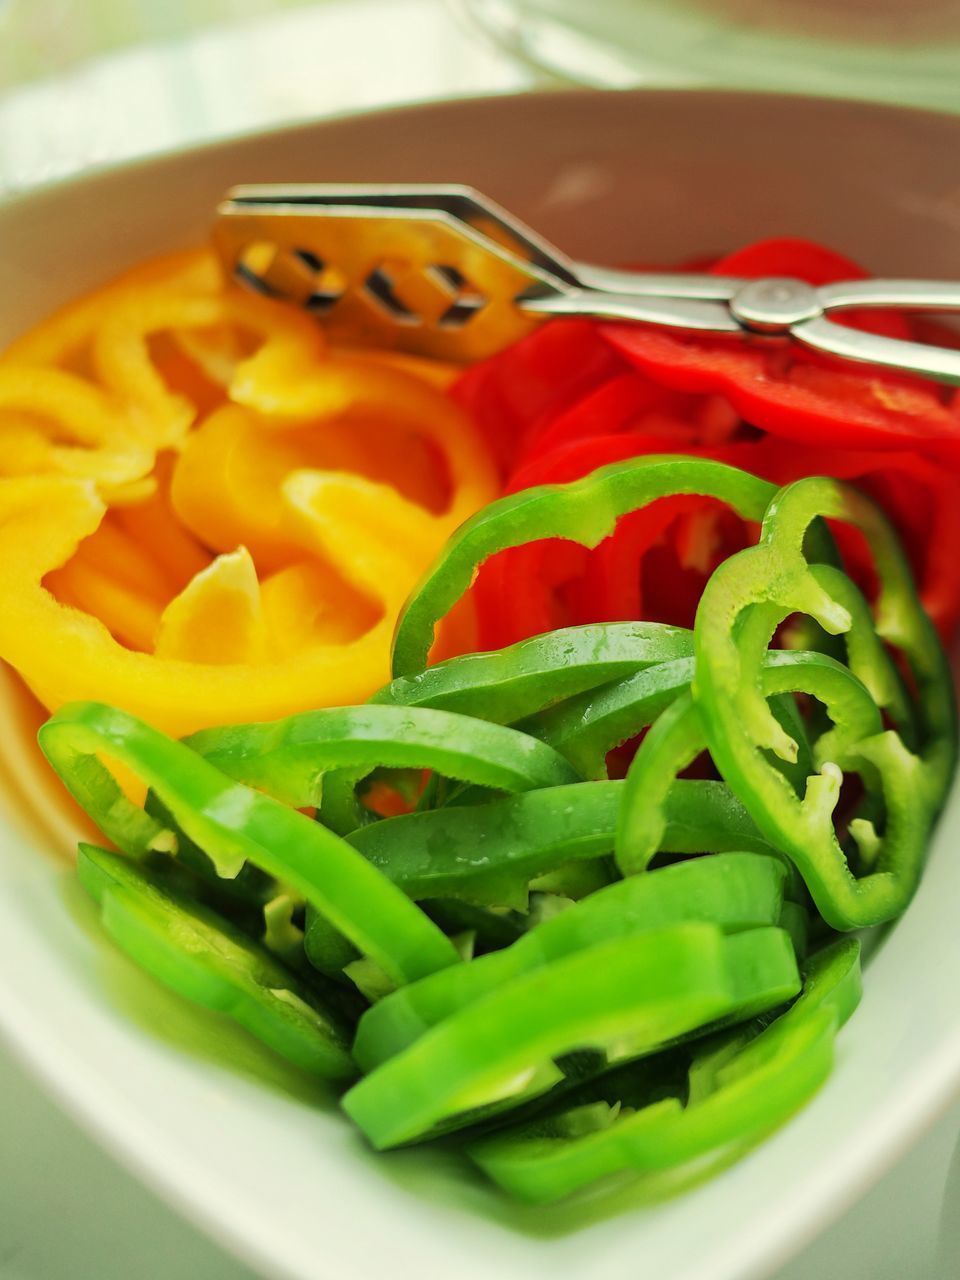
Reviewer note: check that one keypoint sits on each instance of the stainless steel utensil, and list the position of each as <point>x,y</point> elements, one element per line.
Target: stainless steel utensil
<point>443,271</point>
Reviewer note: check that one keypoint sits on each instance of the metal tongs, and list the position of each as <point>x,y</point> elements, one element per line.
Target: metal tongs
<point>443,271</point>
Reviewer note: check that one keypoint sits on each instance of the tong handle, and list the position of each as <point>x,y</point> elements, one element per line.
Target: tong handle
<point>691,313</point>
<point>940,364</point>
<point>905,295</point>
<point>654,284</point>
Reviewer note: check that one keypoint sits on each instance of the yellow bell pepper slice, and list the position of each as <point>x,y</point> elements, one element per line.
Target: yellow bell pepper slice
<point>64,338</point>
<point>63,653</point>
<point>207,515</point>
<point>43,408</point>
<point>218,617</point>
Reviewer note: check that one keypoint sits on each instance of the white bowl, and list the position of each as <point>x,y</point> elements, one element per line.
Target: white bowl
<point>250,1152</point>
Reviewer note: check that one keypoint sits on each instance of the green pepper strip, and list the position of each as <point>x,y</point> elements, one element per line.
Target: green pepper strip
<point>489,853</point>
<point>585,512</point>
<point>204,958</point>
<point>510,684</point>
<point>502,1049</point>
<point>233,824</point>
<point>677,738</point>
<point>740,1088</point>
<point>585,728</point>
<point>291,758</point>
<point>734,891</point>
<point>765,584</point>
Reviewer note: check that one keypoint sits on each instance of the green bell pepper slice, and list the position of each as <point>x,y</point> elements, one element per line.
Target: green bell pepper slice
<point>622,998</point>
<point>489,853</point>
<point>745,599</point>
<point>234,824</point>
<point>510,684</point>
<point>585,728</point>
<point>678,737</point>
<point>585,511</point>
<point>734,891</point>
<point>318,757</point>
<point>207,960</point>
<point>740,1088</point>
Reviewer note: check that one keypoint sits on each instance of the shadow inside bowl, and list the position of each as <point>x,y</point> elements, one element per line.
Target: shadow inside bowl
<point>199,1033</point>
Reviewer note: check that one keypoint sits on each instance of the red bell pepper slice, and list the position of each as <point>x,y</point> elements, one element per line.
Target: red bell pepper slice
<point>557,409</point>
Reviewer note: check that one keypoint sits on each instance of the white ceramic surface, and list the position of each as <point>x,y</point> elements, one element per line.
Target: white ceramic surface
<point>256,1155</point>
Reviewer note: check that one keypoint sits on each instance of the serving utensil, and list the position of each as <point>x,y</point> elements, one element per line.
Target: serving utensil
<point>443,271</point>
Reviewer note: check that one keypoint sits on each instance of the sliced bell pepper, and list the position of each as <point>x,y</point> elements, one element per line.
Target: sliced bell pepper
<point>584,512</point>
<point>678,736</point>
<point>489,853</point>
<point>328,522</point>
<point>234,824</point>
<point>735,891</point>
<point>916,492</point>
<point>667,393</point>
<point>509,1046</point>
<point>512,684</point>
<point>763,585</point>
<point>739,1089</point>
<point>318,757</point>
<point>205,959</point>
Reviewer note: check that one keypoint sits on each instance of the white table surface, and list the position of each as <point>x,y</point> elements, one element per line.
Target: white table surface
<point>67,1211</point>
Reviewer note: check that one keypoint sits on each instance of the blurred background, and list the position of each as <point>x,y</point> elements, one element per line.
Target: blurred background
<point>91,81</point>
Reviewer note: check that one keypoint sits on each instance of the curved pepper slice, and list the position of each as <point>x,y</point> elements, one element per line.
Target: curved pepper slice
<point>504,1048</point>
<point>204,958</point>
<point>394,441</point>
<point>809,402</point>
<point>678,736</point>
<point>52,422</point>
<point>764,585</point>
<point>65,337</point>
<point>322,533</point>
<point>64,653</point>
<point>917,493</point>
<point>740,1087</point>
<point>735,891</point>
<point>511,684</point>
<point>586,728</point>
<point>293,759</point>
<point>489,853</point>
<point>234,824</point>
<point>558,425</point>
<point>585,512</point>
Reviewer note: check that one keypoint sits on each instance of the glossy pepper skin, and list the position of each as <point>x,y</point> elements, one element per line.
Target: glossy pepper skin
<point>769,582</point>
<point>207,513</point>
<point>585,512</point>
<point>619,1020</point>
<point>234,824</point>
<point>552,416</point>
<point>317,757</point>
<point>790,571</point>
<point>503,1049</point>
<point>202,957</point>
<point>740,1086</point>
<point>735,891</point>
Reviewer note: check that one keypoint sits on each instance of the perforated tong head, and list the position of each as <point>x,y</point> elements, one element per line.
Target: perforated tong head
<point>443,271</point>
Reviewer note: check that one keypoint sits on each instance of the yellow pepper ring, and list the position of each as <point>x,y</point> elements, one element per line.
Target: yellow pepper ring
<point>248,567</point>
<point>64,654</point>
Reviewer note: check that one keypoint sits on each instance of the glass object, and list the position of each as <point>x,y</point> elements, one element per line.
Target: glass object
<point>896,50</point>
